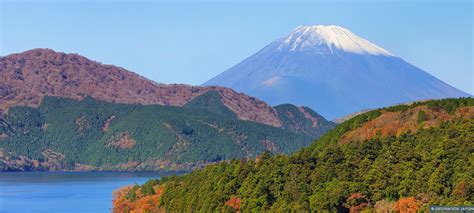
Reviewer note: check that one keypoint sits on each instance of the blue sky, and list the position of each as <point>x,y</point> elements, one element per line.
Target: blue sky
<point>192,41</point>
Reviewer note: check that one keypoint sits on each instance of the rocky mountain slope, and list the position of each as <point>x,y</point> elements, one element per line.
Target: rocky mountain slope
<point>29,76</point>
<point>333,71</point>
<point>397,159</point>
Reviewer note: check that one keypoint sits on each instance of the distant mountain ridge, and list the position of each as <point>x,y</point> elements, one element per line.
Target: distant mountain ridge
<point>31,75</point>
<point>333,71</point>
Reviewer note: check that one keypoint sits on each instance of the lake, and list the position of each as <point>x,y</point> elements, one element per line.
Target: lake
<point>63,191</point>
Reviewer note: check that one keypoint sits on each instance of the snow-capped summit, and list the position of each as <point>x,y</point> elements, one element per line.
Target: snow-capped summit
<point>321,38</point>
<point>333,71</point>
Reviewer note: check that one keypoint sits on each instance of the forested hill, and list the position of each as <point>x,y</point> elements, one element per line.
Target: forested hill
<point>29,76</point>
<point>401,158</point>
<point>68,134</point>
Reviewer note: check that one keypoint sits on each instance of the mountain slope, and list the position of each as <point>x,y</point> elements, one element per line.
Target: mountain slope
<point>185,125</point>
<point>333,71</point>
<point>303,120</point>
<point>67,134</point>
<point>210,102</point>
<point>402,158</point>
<point>29,76</point>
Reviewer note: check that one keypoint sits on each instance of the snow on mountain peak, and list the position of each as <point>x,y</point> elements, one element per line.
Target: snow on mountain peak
<point>331,36</point>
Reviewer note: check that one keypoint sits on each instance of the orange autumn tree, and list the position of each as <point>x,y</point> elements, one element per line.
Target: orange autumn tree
<point>356,202</point>
<point>120,202</point>
<point>139,203</point>
<point>233,202</point>
<point>149,203</point>
<point>407,205</point>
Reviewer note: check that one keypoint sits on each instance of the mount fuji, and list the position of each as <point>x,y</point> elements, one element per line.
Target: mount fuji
<point>333,71</point>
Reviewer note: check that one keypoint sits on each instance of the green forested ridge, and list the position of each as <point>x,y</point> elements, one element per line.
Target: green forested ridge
<point>294,120</point>
<point>210,102</point>
<point>433,165</point>
<point>291,118</point>
<point>202,131</point>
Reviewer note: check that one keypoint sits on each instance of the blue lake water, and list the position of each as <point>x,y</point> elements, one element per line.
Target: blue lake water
<point>63,191</point>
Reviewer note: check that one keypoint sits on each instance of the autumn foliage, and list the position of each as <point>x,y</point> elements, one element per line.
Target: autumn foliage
<point>407,205</point>
<point>233,202</point>
<point>140,203</point>
<point>398,122</point>
<point>356,202</point>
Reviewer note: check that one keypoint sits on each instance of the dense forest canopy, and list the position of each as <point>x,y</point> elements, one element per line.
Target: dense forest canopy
<point>67,134</point>
<point>402,158</point>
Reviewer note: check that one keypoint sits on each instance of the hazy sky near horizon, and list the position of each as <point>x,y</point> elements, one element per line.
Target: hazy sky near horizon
<point>192,41</point>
